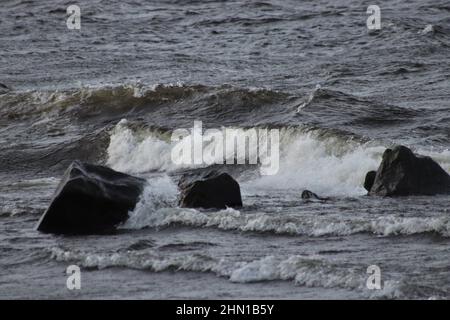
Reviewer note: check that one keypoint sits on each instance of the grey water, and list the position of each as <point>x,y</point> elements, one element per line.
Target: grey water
<point>112,92</point>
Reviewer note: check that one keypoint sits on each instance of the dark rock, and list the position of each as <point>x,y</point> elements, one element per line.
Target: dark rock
<point>4,88</point>
<point>309,195</point>
<point>91,199</point>
<point>370,179</point>
<point>403,173</point>
<point>210,190</point>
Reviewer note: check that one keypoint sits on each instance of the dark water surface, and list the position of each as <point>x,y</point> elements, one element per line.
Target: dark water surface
<point>112,92</point>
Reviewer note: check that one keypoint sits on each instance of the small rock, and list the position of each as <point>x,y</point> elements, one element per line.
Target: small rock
<point>308,195</point>
<point>213,190</point>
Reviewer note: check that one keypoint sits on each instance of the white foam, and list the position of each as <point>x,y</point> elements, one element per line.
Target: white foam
<point>147,260</point>
<point>129,152</point>
<point>325,166</point>
<point>330,166</point>
<point>293,224</point>
<point>428,29</point>
<point>159,193</point>
<point>390,225</point>
<point>309,271</point>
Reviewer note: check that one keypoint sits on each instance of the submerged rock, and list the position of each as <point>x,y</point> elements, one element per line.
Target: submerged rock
<point>4,88</point>
<point>91,199</point>
<point>309,195</point>
<point>404,173</point>
<point>211,190</point>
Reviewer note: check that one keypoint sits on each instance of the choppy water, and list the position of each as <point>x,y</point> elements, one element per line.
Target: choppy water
<point>339,95</point>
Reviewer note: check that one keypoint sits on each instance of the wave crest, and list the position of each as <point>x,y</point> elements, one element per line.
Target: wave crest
<point>307,271</point>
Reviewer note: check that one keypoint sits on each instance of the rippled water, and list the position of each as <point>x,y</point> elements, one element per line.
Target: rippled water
<point>112,92</point>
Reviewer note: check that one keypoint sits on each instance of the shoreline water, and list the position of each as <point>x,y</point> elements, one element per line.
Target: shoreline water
<point>338,94</point>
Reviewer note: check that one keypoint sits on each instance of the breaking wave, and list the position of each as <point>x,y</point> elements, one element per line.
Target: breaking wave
<point>331,165</point>
<point>307,271</point>
<point>301,224</point>
<point>328,164</point>
<point>110,101</point>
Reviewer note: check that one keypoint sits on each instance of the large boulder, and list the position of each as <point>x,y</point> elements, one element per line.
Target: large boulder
<point>403,173</point>
<point>214,189</point>
<point>91,199</point>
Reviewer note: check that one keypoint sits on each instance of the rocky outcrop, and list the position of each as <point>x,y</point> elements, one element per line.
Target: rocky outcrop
<point>403,173</point>
<point>210,190</point>
<point>91,199</point>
